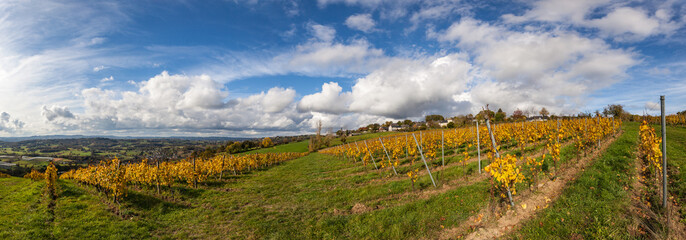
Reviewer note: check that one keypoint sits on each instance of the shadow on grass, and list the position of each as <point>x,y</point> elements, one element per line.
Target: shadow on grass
<point>143,202</point>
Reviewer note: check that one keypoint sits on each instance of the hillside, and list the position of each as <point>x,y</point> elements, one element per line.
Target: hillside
<point>320,196</point>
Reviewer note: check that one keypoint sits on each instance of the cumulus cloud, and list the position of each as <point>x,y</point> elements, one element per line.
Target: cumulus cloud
<point>620,22</point>
<point>547,69</point>
<point>402,88</point>
<point>331,99</point>
<point>185,103</point>
<point>362,22</point>
<point>54,112</point>
<point>9,124</point>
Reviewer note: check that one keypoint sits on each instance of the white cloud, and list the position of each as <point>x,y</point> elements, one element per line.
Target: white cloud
<point>184,103</point>
<point>402,88</point>
<point>362,22</point>
<point>9,124</point>
<point>627,20</point>
<point>54,112</point>
<point>543,69</point>
<point>107,79</point>
<point>331,99</point>
<point>653,106</point>
<point>619,22</point>
<point>322,33</point>
<point>99,68</point>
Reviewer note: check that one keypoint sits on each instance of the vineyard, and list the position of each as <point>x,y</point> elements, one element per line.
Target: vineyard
<point>523,180</point>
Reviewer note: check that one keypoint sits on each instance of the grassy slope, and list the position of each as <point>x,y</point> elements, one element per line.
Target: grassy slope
<point>297,200</point>
<point>302,145</point>
<point>78,215</point>
<point>676,160</point>
<point>22,213</point>
<point>289,147</point>
<point>594,205</point>
<point>311,197</point>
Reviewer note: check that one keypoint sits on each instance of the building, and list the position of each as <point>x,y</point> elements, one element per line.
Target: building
<point>394,127</point>
<point>537,119</point>
<point>444,124</point>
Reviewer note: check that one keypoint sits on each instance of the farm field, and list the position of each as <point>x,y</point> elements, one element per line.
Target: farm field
<point>324,196</point>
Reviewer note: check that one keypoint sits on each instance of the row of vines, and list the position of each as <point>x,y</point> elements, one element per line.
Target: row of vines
<point>112,177</point>
<point>399,153</point>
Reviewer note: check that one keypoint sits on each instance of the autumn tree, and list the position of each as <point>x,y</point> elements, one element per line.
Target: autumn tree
<point>434,117</point>
<point>614,110</point>
<point>518,114</point>
<point>500,115</point>
<point>544,112</point>
<point>267,142</point>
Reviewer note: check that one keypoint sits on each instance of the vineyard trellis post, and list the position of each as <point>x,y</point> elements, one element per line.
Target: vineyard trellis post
<point>558,131</point>
<point>600,134</point>
<point>370,154</point>
<point>442,148</point>
<point>358,149</point>
<point>389,157</point>
<point>424,159</point>
<point>664,153</point>
<point>407,147</point>
<point>497,155</point>
<point>478,145</point>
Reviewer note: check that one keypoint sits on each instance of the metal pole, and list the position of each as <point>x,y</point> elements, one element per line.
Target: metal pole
<point>488,125</point>
<point>370,154</point>
<point>389,157</point>
<point>664,153</point>
<point>358,149</point>
<point>478,145</point>
<point>558,131</point>
<point>423,159</point>
<point>442,149</point>
<point>407,147</point>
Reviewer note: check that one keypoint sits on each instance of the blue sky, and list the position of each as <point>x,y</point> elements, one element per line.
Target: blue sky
<point>258,68</point>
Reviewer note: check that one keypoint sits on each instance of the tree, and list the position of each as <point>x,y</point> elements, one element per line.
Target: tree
<point>500,115</point>
<point>408,122</point>
<point>481,115</point>
<point>518,115</point>
<point>374,127</point>
<point>616,110</point>
<point>544,112</point>
<point>435,117</point>
<point>267,142</point>
<point>451,125</point>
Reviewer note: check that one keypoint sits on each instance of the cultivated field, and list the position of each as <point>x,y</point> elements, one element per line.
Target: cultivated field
<point>579,179</point>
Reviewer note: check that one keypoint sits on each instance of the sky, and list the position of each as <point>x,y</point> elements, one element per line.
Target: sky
<point>264,68</point>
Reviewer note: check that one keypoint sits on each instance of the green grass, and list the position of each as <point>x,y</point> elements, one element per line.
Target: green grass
<point>312,198</point>
<point>78,215</point>
<point>595,204</point>
<point>676,164</point>
<point>23,213</point>
<point>288,147</point>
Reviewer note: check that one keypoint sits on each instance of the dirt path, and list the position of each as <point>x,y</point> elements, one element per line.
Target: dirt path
<point>490,224</point>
